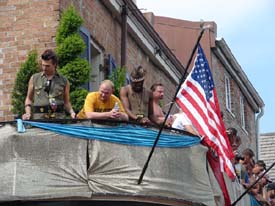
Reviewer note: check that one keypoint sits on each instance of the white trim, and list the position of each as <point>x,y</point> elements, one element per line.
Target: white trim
<point>242,112</point>
<point>96,75</point>
<point>224,54</point>
<point>227,93</point>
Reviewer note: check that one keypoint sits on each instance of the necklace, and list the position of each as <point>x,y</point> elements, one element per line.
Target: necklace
<point>139,100</point>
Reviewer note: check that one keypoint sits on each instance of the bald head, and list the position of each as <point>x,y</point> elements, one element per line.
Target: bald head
<point>108,83</point>
<point>106,90</point>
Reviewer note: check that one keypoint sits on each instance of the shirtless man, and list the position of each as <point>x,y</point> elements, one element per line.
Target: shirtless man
<point>156,115</point>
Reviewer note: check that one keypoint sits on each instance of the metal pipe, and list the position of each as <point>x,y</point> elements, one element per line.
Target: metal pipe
<point>124,13</point>
<point>258,132</point>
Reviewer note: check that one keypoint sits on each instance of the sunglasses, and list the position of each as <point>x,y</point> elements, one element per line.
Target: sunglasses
<point>47,86</point>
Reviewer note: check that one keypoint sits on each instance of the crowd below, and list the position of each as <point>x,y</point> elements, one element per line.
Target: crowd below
<point>251,174</point>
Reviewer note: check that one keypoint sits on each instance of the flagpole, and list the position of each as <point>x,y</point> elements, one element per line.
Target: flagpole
<point>251,186</point>
<point>171,105</point>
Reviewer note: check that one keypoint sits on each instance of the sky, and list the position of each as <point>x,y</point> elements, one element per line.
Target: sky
<point>247,26</point>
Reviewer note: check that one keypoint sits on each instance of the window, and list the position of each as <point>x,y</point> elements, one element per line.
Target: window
<point>112,66</point>
<point>228,94</point>
<point>242,112</point>
<point>85,34</point>
<point>94,55</point>
<point>97,74</point>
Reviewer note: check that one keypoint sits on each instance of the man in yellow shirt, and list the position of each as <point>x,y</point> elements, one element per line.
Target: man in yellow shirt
<point>101,104</point>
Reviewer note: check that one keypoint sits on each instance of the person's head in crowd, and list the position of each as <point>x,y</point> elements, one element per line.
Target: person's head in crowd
<point>231,131</point>
<point>248,155</point>
<point>157,90</point>
<point>234,139</point>
<point>270,188</point>
<point>236,142</point>
<point>137,78</point>
<point>259,167</point>
<point>106,90</point>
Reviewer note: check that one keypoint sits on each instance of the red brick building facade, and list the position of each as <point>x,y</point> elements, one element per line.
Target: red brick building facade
<point>27,25</point>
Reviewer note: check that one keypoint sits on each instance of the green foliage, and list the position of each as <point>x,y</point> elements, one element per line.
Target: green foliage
<point>19,93</point>
<point>70,48</point>
<point>69,24</point>
<point>70,45</point>
<point>118,77</point>
<point>77,72</point>
<point>77,98</point>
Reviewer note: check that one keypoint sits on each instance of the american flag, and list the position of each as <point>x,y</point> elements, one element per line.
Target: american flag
<point>198,99</point>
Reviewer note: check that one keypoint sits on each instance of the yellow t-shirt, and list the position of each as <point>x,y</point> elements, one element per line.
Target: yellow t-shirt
<point>94,104</point>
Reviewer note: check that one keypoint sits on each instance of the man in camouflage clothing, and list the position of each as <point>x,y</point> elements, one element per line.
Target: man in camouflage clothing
<point>48,92</point>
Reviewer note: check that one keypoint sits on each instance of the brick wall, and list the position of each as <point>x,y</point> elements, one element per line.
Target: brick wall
<point>233,119</point>
<point>25,25</point>
<point>106,31</point>
<point>28,24</point>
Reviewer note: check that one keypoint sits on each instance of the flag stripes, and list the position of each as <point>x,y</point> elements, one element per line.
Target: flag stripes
<point>198,100</point>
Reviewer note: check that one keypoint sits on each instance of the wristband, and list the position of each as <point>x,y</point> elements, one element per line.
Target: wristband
<point>28,105</point>
<point>139,118</point>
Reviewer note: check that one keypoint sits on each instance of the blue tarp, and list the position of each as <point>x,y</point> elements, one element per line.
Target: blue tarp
<point>122,134</point>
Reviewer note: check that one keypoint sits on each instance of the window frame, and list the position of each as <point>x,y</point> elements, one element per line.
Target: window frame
<point>242,112</point>
<point>228,102</point>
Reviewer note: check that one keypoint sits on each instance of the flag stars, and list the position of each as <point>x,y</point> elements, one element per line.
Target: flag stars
<point>203,75</point>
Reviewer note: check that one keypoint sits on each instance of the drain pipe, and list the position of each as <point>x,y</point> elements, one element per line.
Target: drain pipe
<point>258,132</point>
<point>124,13</point>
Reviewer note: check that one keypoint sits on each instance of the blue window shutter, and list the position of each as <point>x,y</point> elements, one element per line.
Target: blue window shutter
<point>85,34</point>
<point>112,64</point>
<point>127,78</point>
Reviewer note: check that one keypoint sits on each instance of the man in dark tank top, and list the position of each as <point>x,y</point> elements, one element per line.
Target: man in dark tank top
<point>135,97</point>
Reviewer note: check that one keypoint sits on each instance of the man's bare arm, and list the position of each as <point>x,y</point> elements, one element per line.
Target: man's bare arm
<point>67,102</point>
<point>28,100</point>
<point>125,102</point>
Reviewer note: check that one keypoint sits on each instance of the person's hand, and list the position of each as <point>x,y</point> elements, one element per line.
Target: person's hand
<point>26,116</point>
<point>169,121</point>
<point>144,120</point>
<point>73,115</point>
<point>114,114</point>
